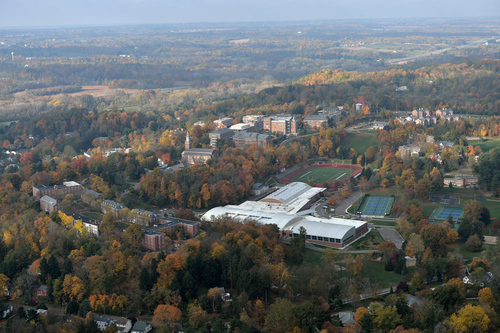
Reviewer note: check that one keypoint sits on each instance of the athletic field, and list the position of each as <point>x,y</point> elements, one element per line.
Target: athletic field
<point>378,206</point>
<point>442,213</point>
<point>322,175</point>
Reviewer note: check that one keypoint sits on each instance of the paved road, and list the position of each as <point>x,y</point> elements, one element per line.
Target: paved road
<point>391,235</point>
<point>342,206</point>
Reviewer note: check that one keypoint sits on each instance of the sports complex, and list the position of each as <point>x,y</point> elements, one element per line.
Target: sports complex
<point>376,206</point>
<point>442,213</point>
<point>320,174</point>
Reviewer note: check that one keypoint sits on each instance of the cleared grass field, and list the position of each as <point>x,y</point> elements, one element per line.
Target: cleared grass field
<point>322,175</point>
<point>359,141</point>
<point>487,144</point>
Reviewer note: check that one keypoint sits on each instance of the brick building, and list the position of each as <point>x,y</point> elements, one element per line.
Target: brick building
<point>49,204</point>
<point>245,139</point>
<point>53,191</point>
<point>315,121</point>
<point>281,124</point>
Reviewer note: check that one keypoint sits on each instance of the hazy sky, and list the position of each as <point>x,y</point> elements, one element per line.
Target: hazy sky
<point>110,12</point>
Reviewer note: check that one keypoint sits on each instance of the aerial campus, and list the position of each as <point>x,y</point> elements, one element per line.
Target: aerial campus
<point>336,176</point>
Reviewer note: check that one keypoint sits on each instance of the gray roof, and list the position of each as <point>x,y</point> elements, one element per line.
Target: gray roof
<point>198,151</point>
<point>222,131</point>
<point>316,117</point>
<point>252,135</point>
<point>140,326</point>
<point>51,201</point>
<point>347,317</point>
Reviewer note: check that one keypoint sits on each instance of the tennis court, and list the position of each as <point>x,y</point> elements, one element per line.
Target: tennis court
<point>378,206</point>
<point>443,213</point>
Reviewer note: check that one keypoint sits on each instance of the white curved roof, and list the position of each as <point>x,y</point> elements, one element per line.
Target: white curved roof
<point>331,228</point>
<point>289,192</point>
<point>281,220</point>
<point>324,228</point>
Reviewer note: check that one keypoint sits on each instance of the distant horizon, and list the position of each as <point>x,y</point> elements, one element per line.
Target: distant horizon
<point>305,21</point>
<point>21,14</point>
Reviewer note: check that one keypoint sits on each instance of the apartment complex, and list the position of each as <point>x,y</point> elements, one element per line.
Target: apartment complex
<point>281,124</point>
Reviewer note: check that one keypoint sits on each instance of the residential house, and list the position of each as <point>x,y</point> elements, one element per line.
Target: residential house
<point>347,317</point>
<point>123,325</point>
<point>6,310</point>
<point>141,327</point>
<point>443,144</point>
<point>379,125</point>
<point>103,322</point>
<point>42,291</point>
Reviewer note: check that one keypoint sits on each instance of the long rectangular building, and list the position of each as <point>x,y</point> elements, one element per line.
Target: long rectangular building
<point>283,208</point>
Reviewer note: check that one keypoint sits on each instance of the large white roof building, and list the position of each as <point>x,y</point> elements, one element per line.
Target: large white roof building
<point>281,208</point>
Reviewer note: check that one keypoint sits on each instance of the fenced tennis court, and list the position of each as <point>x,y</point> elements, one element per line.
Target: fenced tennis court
<point>377,206</point>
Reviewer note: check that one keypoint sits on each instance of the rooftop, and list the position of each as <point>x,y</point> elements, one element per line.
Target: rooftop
<point>198,151</point>
<point>51,201</point>
<point>292,192</point>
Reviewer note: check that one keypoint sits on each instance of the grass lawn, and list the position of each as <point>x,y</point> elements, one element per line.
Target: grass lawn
<point>368,242</point>
<point>460,246</point>
<point>93,215</point>
<point>384,222</point>
<point>322,175</point>
<point>487,144</point>
<point>378,274</point>
<point>359,141</point>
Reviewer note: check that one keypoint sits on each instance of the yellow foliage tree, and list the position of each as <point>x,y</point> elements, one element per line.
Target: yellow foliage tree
<point>469,319</point>
<point>486,297</point>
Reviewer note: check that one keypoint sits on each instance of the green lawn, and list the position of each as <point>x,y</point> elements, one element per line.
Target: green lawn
<point>384,222</point>
<point>93,215</point>
<point>368,242</point>
<point>322,175</point>
<point>460,246</point>
<point>359,141</point>
<point>487,144</point>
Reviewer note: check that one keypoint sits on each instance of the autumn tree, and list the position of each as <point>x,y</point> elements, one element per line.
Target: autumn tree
<point>166,314</point>
<point>436,179</point>
<point>469,319</point>
<point>280,317</point>
<point>486,297</point>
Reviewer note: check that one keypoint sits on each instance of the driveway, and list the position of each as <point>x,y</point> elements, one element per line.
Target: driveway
<point>391,235</point>
<point>350,200</point>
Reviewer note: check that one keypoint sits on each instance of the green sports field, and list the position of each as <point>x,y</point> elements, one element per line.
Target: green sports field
<point>322,175</point>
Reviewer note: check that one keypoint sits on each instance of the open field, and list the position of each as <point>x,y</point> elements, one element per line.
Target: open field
<point>486,144</point>
<point>369,242</point>
<point>359,141</point>
<point>322,175</point>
